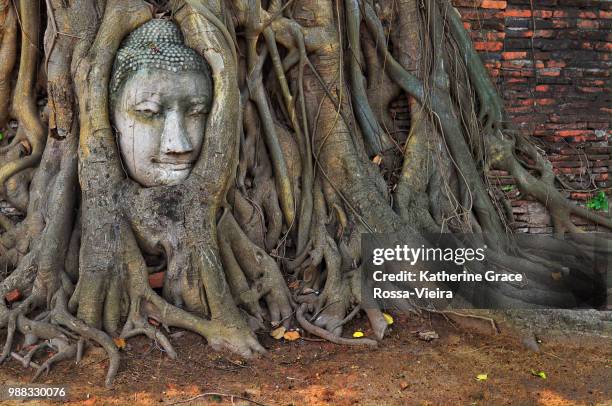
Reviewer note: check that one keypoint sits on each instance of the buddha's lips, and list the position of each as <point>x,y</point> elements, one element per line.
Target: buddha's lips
<point>176,165</point>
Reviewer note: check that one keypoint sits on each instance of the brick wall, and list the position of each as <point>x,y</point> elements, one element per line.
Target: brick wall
<point>551,60</point>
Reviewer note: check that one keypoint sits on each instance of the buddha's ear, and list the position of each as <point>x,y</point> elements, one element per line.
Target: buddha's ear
<point>207,35</point>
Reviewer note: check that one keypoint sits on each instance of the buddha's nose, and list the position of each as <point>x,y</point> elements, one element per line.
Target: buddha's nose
<point>174,139</point>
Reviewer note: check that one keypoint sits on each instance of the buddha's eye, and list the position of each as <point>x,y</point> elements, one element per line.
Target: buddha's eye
<point>197,110</point>
<point>148,110</point>
<point>148,113</point>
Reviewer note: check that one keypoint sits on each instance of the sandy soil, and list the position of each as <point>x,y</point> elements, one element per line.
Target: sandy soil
<point>404,370</point>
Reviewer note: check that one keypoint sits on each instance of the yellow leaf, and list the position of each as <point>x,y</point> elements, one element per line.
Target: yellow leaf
<point>278,333</point>
<point>119,342</point>
<point>388,318</point>
<point>481,377</point>
<point>377,159</point>
<point>291,335</point>
<point>357,334</point>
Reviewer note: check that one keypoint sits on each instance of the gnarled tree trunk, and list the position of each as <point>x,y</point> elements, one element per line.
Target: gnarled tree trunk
<point>301,156</point>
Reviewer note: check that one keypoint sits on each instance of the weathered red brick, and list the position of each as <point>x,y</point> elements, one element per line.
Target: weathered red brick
<point>550,72</point>
<point>605,14</point>
<point>518,13</point>
<point>543,13</point>
<point>560,23</point>
<point>591,89</point>
<point>156,280</point>
<point>567,52</point>
<point>498,4</point>
<point>545,33</point>
<point>13,296</point>
<point>545,102</point>
<point>489,46</point>
<point>514,55</point>
<point>580,196</point>
<point>571,133</point>
<point>588,24</point>
<point>556,64</point>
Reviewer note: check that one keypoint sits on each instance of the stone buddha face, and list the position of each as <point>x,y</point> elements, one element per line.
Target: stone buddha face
<point>161,93</point>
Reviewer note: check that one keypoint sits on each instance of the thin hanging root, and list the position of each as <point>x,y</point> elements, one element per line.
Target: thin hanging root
<point>258,96</point>
<point>375,137</point>
<point>321,332</point>
<point>490,104</point>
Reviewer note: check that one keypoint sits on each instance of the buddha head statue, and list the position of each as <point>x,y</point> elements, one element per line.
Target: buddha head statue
<point>160,95</point>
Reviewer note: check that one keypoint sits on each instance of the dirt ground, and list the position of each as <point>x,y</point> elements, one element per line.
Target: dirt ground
<point>404,370</point>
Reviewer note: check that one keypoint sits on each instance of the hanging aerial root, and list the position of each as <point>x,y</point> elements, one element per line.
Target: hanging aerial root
<point>8,57</point>
<point>258,96</point>
<point>375,137</point>
<point>24,100</point>
<point>59,49</point>
<point>262,278</point>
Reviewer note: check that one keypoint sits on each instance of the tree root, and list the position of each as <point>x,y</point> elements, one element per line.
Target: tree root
<point>325,334</point>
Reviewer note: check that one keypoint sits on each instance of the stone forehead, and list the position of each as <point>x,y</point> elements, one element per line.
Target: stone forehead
<point>157,44</point>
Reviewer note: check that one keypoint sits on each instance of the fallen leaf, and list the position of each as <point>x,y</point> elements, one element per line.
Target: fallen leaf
<point>482,377</point>
<point>294,285</point>
<point>556,276</point>
<point>541,374</point>
<point>278,332</point>
<point>119,342</point>
<point>403,385</point>
<point>427,335</point>
<point>357,334</point>
<point>291,335</point>
<point>377,159</point>
<point>388,318</point>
